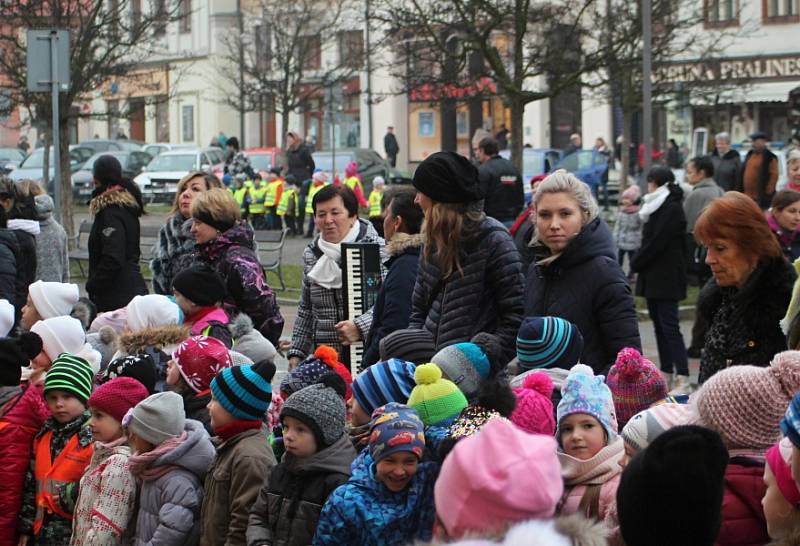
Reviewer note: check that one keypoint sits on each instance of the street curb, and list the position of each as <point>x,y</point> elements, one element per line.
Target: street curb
<point>685,312</point>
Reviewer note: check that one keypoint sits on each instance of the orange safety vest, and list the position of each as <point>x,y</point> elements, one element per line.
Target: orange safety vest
<point>68,467</point>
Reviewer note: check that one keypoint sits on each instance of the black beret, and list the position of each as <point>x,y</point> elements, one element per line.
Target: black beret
<point>448,177</point>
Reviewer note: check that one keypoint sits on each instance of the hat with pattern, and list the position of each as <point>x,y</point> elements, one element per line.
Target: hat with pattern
<point>245,391</point>
<point>139,367</point>
<point>388,381</point>
<point>635,383</point>
<point>790,424</point>
<point>584,392</point>
<point>548,342</point>
<point>324,361</point>
<point>396,428</point>
<point>534,410</point>
<point>471,420</point>
<point>779,459</point>
<point>437,400</point>
<point>321,407</point>
<point>465,364</point>
<point>199,359</point>
<point>72,374</point>
<point>647,425</point>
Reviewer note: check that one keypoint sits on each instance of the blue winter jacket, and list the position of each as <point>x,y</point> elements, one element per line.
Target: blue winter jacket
<point>364,512</point>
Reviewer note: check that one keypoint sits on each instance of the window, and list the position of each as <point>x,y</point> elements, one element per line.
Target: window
<point>780,11</point>
<point>426,124</point>
<point>351,48</point>
<point>185,15</point>
<point>136,15</point>
<point>263,45</point>
<point>187,122</point>
<point>159,17</point>
<point>311,52</point>
<point>721,13</point>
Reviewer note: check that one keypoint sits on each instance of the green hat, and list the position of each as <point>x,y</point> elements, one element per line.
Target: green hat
<point>72,374</point>
<point>438,401</point>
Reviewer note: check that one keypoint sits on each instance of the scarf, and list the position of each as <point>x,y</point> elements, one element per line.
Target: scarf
<point>140,463</point>
<point>595,471</point>
<point>327,272</point>
<point>633,208</point>
<point>359,436</point>
<point>234,428</point>
<point>653,202</point>
<point>786,238</point>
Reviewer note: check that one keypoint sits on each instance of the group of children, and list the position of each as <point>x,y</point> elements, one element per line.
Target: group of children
<point>267,203</point>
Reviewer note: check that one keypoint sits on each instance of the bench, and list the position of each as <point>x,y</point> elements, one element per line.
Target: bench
<point>270,251</point>
<point>148,242</point>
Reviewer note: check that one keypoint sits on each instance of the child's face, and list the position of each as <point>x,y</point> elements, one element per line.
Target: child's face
<point>173,374</point>
<point>219,415</point>
<point>582,436</point>
<point>626,201</point>
<point>41,362</point>
<point>629,454</point>
<point>104,427</point>
<point>298,438</point>
<point>187,307</point>
<point>396,470</point>
<point>30,315</point>
<point>358,417</point>
<point>781,516</point>
<point>137,444</point>
<point>64,406</point>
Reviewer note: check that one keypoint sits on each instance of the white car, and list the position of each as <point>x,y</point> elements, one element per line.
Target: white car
<point>158,148</point>
<point>160,178</point>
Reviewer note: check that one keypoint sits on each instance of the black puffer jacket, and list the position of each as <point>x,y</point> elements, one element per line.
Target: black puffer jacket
<point>486,298</point>
<point>25,231</point>
<point>9,251</point>
<point>586,286</point>
<point>114,274</point>
<point>744,323</point>
<point>502,186</point>
<point>300,163</point>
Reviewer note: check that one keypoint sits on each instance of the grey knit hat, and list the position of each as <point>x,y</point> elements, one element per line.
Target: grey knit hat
<point>321,408</point>
<point>466,365</point>
<point>249,341</point>
<point>417,346</point>
<point>157,418</point>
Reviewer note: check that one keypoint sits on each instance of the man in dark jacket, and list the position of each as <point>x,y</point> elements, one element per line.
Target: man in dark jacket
<point>500,182</point>
<point>401,227</point>
<point>727,163</point>
<point>9,250</point>
<point>390,146</point>
<point>759,171</point>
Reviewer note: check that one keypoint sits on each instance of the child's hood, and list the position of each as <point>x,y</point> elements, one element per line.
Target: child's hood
<point>160,337</point>
<point>336,458</point>
<point>195,454</point>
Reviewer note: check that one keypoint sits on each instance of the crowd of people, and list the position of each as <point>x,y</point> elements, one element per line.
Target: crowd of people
<point>498,401</point>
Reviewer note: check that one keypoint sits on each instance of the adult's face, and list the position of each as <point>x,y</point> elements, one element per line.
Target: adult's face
<point>194,187</point>
<point>794,172</point>
<point>290,141</point>
<point>730,263</point>
<point>558,220</point>
<point>693,174</point>
<point>481,155</point>
<point>788,218</point>
<point>424,202</point>
<point>333,220</point>
<point>723,146</point>
<point>391,223</point>
<point>202,232</point>
<point>759,144</point>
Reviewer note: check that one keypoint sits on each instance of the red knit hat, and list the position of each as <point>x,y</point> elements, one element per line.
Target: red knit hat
<point>635,383</point>
<point>534,410</point>
<point>118,396</point>
<point>199,359</point>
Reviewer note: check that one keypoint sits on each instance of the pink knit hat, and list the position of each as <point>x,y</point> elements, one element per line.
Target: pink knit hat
<point>635,383</point>
<point>117,396</point>
<point>745,404</point>
<point>499,476</point>
<point>534,410</point>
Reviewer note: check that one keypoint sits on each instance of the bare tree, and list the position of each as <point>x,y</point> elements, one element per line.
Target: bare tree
<point>109,40</point>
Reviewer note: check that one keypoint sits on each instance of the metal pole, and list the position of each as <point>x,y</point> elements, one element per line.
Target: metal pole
<point>647,90</point>
<point>240,21</point>
<point>55,82</point>
<point>368,53</point>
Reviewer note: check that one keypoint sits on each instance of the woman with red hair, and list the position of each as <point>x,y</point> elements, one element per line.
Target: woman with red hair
<point>751,288</point>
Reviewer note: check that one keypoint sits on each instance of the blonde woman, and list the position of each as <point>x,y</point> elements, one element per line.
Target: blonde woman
<point>575,274</point>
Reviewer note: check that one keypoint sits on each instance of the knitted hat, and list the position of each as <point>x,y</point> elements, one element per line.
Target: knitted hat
<point>249,341</point>
<point>646,426</point>
<point>152,310</point>
<point>681,474</point>
<point>448,177</point>
<point>395,428</point>
<point>118,396</point>
<point>245,391</point>
<point>44,206</point>
<point>321,407</point>
<point>471,420</point>
<point>238,359</point>
<point>12,360</point>
<point>497,477</point>
<point>157,418</point>
<point>415,346</point>
<point>745,403</point>
<point>790,424</point>
<point>53,299</point>
<point>383,382</point>
<point>65,335</point>
<point>107,170</point>
<point>632,192</point>
<point>548,342</point>
<point>584,392</point>
<point>139,367</point>
<point>199,359</point>
<point>72,374</point>
<point>779,459</point>
<point>437,400</point>
<point>635,383</point>
<point>465,364</point>
<point>6,317</point>
<point>200,284</point>
<point>534,410</point>
<point>324,361</point>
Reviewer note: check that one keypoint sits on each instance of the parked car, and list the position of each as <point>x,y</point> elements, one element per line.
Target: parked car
<point>535,162</point>
<point>588,165</point>
<point>31,168</point>
<point>108,145</point>
<point>132,165</point>
<point>370,165</point>
<point>263,159</point>
<point>160,178</point>
<point>10,159</point>
<point>158,148</point>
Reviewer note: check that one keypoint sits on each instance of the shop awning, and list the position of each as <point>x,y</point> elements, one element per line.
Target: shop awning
<point>754,92</point>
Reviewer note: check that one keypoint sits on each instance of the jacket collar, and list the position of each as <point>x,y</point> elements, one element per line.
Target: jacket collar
<point>401,243</point>
<point>115,195</point>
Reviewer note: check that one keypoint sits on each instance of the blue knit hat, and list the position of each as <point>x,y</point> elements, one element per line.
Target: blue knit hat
<point>584,392</point>
<point>548,342</point>
<point>384,382</point>
<point>245,391</point>
<point>465,364</point>
<point>396,428</point>
<point>790,424</point>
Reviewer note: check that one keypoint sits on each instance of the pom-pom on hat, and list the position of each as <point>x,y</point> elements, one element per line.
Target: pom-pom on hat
<point>245,391</point>
<point>118,396</point>
<point>71,374</point>
<point>584,392</point>
<point>383,382</point>
<point>437,400</point>
<point>465,364</point>
<point>53,299</point>
<point>448,177</point>
<point>548,342</point>
<point>199,359</point>
<point>534,410</point>
<point>324,361</point>
<point>635,383</point>
<point>395,428</point>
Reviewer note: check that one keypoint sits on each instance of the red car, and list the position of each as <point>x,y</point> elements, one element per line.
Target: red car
<point>263,159</point>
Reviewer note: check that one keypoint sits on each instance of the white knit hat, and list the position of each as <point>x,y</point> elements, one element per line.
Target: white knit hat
<point>53,299</point>
<point>6,318</point>
<point>152,310</point>
<point>66,335</point>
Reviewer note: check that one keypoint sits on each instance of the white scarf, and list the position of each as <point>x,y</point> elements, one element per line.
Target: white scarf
<point>653,202</point>
<point>326,272</point>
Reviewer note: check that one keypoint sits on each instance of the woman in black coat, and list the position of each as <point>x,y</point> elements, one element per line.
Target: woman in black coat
<point>114,274</point>
<point>17,200</point>
<point>299,162</point>
<point>661,265</point>
<point>9,250</point>
<point>575,274</point>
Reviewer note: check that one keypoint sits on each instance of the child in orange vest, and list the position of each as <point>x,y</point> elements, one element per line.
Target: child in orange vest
<point>61,452</point>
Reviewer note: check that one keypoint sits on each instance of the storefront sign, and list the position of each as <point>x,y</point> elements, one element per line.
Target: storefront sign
<point>732,69</point>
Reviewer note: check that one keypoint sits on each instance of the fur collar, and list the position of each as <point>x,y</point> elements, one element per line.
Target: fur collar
<point>402,242</point>
<point>115,195</point>
<point>135,342</point>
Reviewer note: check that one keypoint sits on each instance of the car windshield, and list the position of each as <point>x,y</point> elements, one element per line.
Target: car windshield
<point>261,162</point>
<point>10,154</point>
<point>533,163</point>
<point>582,159</point>
<point>36,159</point>
<point>90,162</point>
<point>324,161</point>
<point>178,162</point>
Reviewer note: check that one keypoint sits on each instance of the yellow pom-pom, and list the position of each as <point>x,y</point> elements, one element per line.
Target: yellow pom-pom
<point>427,374</point>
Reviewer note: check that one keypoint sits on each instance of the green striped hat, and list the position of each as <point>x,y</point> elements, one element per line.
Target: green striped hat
<point>70,373</point>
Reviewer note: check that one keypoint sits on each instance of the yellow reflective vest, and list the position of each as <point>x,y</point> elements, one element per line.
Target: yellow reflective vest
<point>243,197</point>
<point>375,203</point>
<point>274,190</point>
<point>312,191</point>
<point>283,205</point>
<point>259,194</point>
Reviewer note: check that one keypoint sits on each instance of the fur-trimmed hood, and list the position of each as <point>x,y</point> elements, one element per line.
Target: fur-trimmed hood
<point>115,195</point>
<point>161,336</point>
<point>404,242</point>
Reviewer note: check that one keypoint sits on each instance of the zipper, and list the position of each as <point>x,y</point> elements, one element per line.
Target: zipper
<point>441,314</point>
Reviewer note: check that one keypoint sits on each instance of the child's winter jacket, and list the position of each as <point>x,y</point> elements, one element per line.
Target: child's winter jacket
<point>743,521</point>
<point>628,231</point>
<point>211,322</point>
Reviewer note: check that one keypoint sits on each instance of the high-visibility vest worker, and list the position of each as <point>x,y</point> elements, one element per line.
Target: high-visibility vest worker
<point>289,194</point>
<point>244,197</point>
<point>375,197</point>
<point>312,191</point>
<point>68,467</point>
<point>274,191</point>
<point>259,195</point>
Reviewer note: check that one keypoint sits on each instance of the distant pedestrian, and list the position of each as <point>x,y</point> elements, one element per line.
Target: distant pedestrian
<point>500,184</point>
<point>391,146</point>
<point>575,144</point>
<point>52,262</point>
<point>793,166</point>
<point>784,221</point>
<point>760,171</point>
<point>502,137</point>
<point>727,163</point>
<point>674,160</point>
<point>237,162</point>
<point>628,227</point>
<point>299,162</point>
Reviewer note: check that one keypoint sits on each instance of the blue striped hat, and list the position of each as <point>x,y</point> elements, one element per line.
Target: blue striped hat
<point>245,391</point>
<point>384,382</point>
<point>548,342</point>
